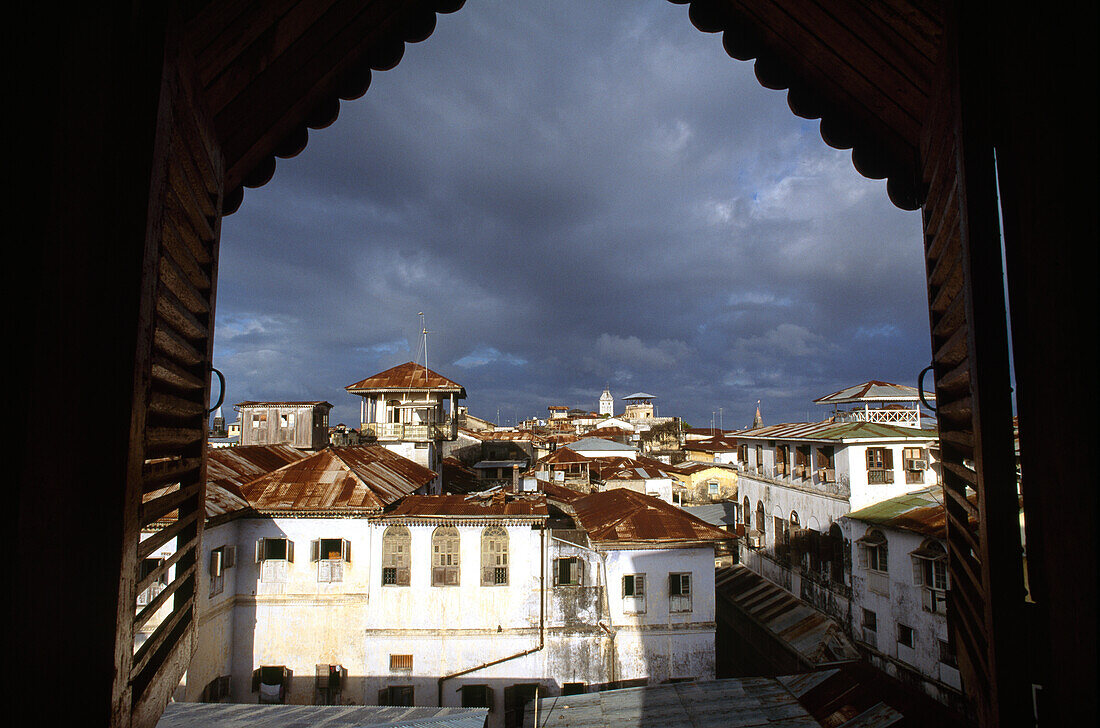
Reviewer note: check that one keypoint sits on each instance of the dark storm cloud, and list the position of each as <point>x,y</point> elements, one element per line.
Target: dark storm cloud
<point>575,196</point>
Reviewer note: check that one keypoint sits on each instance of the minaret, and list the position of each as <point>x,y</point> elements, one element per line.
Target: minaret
<point>607,402</point>
<point>757,421</point>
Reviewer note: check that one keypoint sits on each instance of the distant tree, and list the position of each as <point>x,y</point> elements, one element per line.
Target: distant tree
<point>666,432</point>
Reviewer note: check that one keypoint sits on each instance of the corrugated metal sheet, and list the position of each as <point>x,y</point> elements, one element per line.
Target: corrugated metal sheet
<point>729,703</point>
<point>407,376</point>
<point>457,478</point>
<point>312,403</point>
<point>495,504</point>
<point>361,477</point>
<point>716,514</point>
<point>814,636</point>
<point>622,515</point>
<point>828,430</point>
<point>874,391</point>
<point>920,512</point>
<point>241,715</point>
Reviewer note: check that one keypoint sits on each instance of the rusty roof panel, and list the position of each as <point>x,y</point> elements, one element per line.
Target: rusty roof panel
<point>920,512</point>
<point>495,504</point>
<point>361,477</point>
<point>622,515</point>
<point>407,376</point>
<point>874,391</point>
<point>284,403</point>
<point>814,636</point>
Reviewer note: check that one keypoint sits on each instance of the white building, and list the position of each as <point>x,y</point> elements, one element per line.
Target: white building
<point>900,588</point>
<point>410,410</point>
<point>316,593</point>
<point>607,403</point>
<point>796,482</point>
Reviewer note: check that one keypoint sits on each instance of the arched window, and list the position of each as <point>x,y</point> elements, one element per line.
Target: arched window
<point>445,544</point>
<point>874,560</point>
<point>494,556</point>
<point>930,572</point>
<point>794,520</point>
<point>760,518</point>
<point>746,513</point>
<point>396,556</point>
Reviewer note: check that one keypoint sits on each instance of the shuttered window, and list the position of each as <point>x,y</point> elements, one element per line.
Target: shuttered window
<point>445,556</point>
<point>396,556</point>
<point>494,556</point>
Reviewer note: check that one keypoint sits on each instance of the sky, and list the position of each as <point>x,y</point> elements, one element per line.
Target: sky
<point>576,195</point>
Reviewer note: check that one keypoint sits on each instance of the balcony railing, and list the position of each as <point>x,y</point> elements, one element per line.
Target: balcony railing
<point>905,417</point>
<point>411,432</point>
<point>880,477</point>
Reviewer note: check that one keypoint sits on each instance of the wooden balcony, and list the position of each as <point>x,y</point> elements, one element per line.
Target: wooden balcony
<point>411,432</point>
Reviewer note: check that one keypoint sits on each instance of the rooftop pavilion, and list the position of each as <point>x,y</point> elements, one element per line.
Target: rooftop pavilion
<point>882,402</point>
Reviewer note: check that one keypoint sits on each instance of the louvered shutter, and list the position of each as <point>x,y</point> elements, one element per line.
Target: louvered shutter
<point>315,550</point>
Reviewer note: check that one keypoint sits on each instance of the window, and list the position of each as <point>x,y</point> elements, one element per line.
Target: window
<point>873,557</point>
<point>330,555</point>
<point>746,513</point>
<point>494,556</point>
<point>870,628</point>
<point>634,593</point>
<point>947,654</point>
<point>761,519</point>
<point>330,683</point>
<point>286,420</point>
<point>743,454</point>
<point>396,695</point>
<point>568,571</point>
<point>782,540</point>
<point>151,592</point>
<point>679,592</point>
<point>802,461</point>
<point>782,455</point>
<point>712,487</point>
<point>826,467</point>
<point>445,545</point>
<point>255,420</point>
<point>221,558</point>
<point>396,545</point>
<point>271,681</point>
<point>273,555</point>
<point>759,458</point>
<point>880,465</point>
<point>216,690</point>
<point>401,663</point>
<point>930,572</point>
<point>905,636</point>
<point>477,696</point>
<point>915,462</point>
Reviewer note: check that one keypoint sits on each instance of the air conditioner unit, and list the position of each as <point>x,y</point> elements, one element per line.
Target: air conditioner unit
<point>754,541</point>
<point>919,465</point>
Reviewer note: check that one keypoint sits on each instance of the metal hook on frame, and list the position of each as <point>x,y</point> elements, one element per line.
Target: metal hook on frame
<point>221,395</point>
<point>920,387</point>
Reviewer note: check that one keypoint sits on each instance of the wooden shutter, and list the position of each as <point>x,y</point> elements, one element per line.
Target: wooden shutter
<point>970,363</point>
<point>290,551</point>
<point>887,458</point>
<point>345,550</point>
<point>172,382</point>
<point>315,550</point>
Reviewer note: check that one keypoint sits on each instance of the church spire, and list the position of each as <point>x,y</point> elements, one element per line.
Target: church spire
<point>757,421</point>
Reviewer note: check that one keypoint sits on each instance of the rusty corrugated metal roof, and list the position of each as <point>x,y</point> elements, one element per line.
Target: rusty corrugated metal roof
<point>835,431</point>
<point>498,503</point>
<point>284,403</point>
<point>814,636</point>
<point>874,391</point>
<point>354,478</point>
<point>624,516</point>
<point>564,455</point>
<point>712,444</point>
<point>457,478</point>
<point>921,512</point>
<point>407,376</point>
